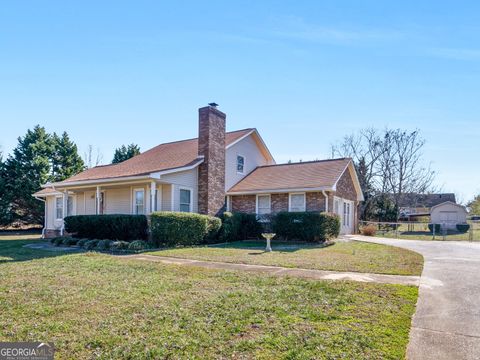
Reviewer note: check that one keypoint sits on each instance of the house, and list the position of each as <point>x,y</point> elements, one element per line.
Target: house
<point>448,214</point>
<point>215,172</point>
<point>414,205</point>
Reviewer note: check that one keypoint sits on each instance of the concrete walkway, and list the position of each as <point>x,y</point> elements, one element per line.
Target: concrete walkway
<point>446,324</point>
<point>281,271</point>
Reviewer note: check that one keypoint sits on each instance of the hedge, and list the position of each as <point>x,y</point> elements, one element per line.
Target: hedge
<point>112,227</point>
<point>240,226</point>
<point>179,228</point>
<point>306,226</point>
<point>463,228</point>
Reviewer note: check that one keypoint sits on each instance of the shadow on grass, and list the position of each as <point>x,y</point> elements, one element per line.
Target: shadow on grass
<point>12,250</point>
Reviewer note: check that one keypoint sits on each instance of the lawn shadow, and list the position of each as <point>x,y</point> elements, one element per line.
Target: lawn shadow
<point>13,250</point>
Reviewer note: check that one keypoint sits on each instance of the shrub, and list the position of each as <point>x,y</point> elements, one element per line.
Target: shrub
<point>463,228</point>
<point>138,245</point>
<point>104,245</point>
<point>368,230</point>
<point>68,241</point>
<point>119,245</point>
<point>82,242</point>
<point>58,240</point>
<point>113,227</point>
<point>90,244</point>
<point>240,226</point>
<point>213,229</point>
<point>437,228</point>
<point>306,226</point>
<point>178,228</point>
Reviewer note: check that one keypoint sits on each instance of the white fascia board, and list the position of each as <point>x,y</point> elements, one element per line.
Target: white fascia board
<point>253,131</point>
<point>277,191</point>
<point>355,180</point>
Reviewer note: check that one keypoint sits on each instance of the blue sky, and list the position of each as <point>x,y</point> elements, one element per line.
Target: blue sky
<point>304,73</point>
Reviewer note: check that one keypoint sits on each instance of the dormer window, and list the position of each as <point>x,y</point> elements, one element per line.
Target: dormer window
<point>240,164</point>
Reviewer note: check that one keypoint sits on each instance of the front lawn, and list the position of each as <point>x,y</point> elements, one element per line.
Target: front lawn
<point>98,306</point>
<point>342,256</point>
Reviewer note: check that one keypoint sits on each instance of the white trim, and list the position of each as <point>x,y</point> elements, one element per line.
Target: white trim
<point>269,202</point>
<point>134,202</point>
<point>304,200</point>
<point>229,205</point>
<point>451,203</point>
<point>159,198</point>
<point>158,174</point>
<point>240,139</point>
<point>325,195</point>
<point>253,131</point>
<point>98,181</point>
<point>236,164</point>
<point>191,197</point>
<point>56,207</point>
<point>275,191</point>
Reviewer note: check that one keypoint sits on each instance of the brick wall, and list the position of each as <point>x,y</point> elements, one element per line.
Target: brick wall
<point>244,203</point>
<point>345,187</point>
<point>279,202</point>
<point>211,173</point>
<point>315,201</point>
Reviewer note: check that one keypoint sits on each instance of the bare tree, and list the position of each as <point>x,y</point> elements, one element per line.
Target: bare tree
<point>389,163</point>
<point>90,159</point>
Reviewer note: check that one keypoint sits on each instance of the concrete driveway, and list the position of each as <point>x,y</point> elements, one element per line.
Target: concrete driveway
<point>446,324</point>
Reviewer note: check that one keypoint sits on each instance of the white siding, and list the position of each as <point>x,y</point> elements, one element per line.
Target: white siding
<point>90,203</point>
<point>187,179</point>
<point>80,204</point>
<point>253,157</point>
<point>166,198</point>
<point>118,201</point>
<point>449,214</point>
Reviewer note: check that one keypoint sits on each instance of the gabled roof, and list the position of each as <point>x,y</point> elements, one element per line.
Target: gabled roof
<point>46,192</point>
<point>314,175</point>
<point>415,200</point>
<point>449,203</point>
<point>173,155</point>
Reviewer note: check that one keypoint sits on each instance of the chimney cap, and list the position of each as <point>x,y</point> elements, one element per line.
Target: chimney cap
<point>213,104</point>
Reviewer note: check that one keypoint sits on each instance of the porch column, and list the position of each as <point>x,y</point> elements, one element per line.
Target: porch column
<point>97,201</point>
<point>153,188</point>
<point>64,210</point>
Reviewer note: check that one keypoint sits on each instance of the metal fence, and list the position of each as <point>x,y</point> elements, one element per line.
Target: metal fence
<point>424,231</point>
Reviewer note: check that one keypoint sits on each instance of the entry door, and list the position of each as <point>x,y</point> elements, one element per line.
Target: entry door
<point>344,209</point>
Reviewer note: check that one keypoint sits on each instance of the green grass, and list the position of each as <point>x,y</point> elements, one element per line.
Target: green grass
<point>342,256</point>
<point>420,231</point>
<point>98,306</point>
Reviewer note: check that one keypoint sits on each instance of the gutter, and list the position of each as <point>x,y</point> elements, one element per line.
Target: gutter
<point>44,216</point>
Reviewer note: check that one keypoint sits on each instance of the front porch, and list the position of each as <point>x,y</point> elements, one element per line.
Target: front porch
<point>135,198</point>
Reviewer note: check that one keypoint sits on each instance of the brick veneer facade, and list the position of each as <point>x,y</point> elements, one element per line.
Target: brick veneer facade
<point>244,203</point>
<point>345,187</point>
<point>211,173</point>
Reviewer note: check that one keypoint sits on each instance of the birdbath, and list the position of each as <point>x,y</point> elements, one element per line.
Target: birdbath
<point>269,237</point>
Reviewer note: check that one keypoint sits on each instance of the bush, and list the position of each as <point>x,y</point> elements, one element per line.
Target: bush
<point>213,231</point>
<point>178,228</point>
<point>82,242</point>
<point>463,228</point>
<point>119,245</point>
<point>68,241</point>
<point>240,226</point>
<point>58,240</point>
<point>90,244</point>
<point>104,245</point>
<point>368,230</point>
<point>437,228</point>
<point>112,227</point>
<point>138,245</point>
<point>306,226</point>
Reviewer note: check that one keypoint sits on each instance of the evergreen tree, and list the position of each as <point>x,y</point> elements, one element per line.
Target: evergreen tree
<point>66,161</point>
<point>38,158</point>
<point>125,152</point>
<point>474,205</point>
<point>23,173</point>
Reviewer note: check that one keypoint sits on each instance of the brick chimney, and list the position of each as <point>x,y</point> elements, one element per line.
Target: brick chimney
<point>211,173</point>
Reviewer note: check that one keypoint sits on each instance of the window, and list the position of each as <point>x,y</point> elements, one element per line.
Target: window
<point>297,202</point>
<point>59,207</point>
<point>139,204</point>
<point>346,214</point>
<point>185,200</point>
<point>240,164</point>
<point>70,204</point>
<point>263,204</point>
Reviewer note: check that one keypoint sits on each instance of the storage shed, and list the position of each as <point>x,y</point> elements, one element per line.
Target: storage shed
<point>448,214</point>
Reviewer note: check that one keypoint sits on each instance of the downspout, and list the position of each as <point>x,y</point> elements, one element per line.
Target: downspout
<point>326,200</point>
<point>44,216</point>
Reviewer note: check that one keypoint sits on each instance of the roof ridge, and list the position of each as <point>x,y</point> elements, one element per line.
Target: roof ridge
<point>305,162</point>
